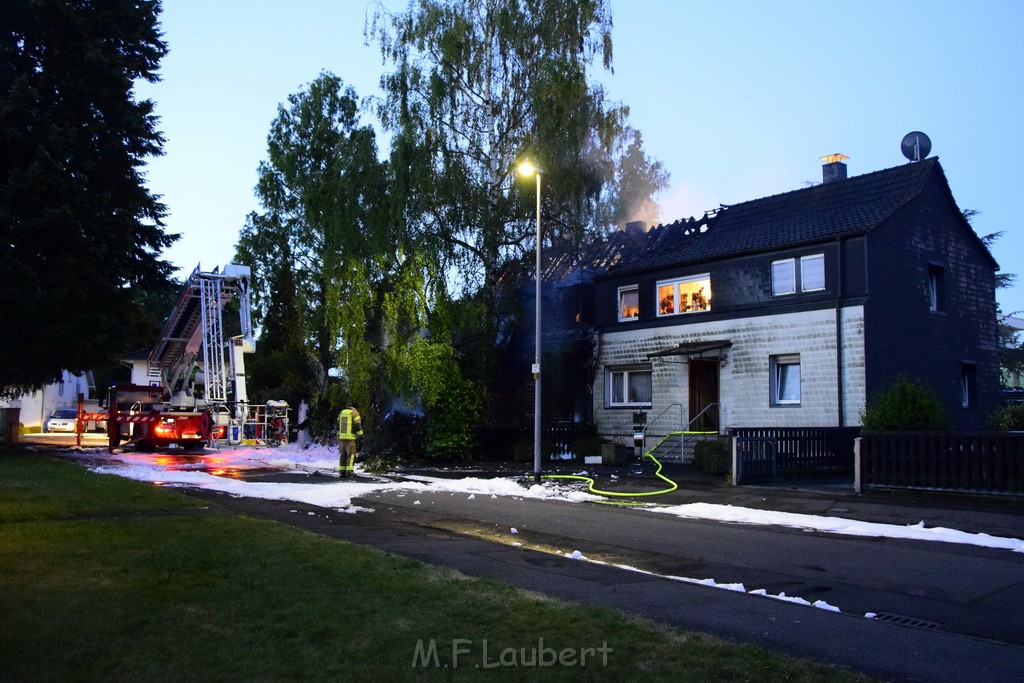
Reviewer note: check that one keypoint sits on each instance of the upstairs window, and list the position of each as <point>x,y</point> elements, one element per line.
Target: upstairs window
<point>783,277</point>
<point>629,303</point>
<point>630,386</point>
<point>812,273</point>
<point>936,288</point>
<point>684,295</point>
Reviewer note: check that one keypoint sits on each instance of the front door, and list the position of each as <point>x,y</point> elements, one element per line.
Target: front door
<point>704,393</point>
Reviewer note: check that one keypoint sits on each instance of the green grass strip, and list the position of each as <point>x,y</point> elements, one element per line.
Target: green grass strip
<point>106,579</point>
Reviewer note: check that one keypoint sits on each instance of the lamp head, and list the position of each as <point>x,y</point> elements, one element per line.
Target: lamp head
<point>528,168</point>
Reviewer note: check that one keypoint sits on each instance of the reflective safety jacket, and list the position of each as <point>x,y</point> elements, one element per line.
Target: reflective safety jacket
<point>350,425</point>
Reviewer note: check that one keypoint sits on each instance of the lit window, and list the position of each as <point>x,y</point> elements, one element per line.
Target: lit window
<point>629,303</point>
<point>785,380</point>
<point>684,295</point>
<point>968,385</point>
<point>783,277</point>
<point>936,288</point>
<point>629,386</point>
<point>812,273</point>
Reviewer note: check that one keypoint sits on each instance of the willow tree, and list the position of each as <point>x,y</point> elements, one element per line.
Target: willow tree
<point>468,79</point>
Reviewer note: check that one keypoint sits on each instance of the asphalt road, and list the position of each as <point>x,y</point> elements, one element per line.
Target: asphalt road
<point>958,588</point>
<point>947,611</point>
<point>964,603</point>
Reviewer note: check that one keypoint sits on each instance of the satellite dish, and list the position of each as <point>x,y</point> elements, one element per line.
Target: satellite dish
<point>916,145</point>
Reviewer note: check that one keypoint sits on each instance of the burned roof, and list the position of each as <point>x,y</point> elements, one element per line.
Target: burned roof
<point>846,207</point>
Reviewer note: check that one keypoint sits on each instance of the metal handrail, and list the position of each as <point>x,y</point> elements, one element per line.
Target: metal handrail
<point>706,408</point>
<point>662,413</point>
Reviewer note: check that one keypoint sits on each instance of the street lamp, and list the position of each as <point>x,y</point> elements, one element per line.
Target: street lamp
<point>527,168</point>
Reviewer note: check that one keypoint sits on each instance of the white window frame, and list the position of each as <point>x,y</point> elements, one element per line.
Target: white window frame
<point>792,270</point>
<point>936,288</point>
<point>803,270</point>
<point>968,385</point>
<point>625,371</point>
<point>777,365</point>
<point>674,283</point>
<point>626,290</point>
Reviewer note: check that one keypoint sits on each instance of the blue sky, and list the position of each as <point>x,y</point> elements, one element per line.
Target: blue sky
<point>737,99</point>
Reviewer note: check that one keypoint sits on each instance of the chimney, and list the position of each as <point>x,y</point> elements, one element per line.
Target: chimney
<point>834,169</point>
<point>636,227</point>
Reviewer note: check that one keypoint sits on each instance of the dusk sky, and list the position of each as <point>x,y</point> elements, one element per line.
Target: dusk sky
<point>738,99</point>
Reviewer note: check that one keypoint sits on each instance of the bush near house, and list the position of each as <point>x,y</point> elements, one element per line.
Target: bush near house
<point>1009,418</point>
<point>904,406</point>
<point>711,456</point>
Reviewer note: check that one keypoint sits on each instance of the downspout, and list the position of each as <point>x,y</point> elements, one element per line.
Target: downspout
<point>839,331</point>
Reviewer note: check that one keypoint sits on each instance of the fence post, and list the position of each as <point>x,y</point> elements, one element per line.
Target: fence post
<point>856,466</point>
<point>735,462</point>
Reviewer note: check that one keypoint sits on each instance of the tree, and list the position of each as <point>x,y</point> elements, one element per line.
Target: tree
<point>338,276</point>
<point>321,189</point>
<point>1011,350</point>
<point>468,83</point>
<point>81,234</point>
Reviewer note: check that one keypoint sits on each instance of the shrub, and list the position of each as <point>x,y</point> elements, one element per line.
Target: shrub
<point>1009,418</point>
<point>904,406</point>
<point>711,456</point>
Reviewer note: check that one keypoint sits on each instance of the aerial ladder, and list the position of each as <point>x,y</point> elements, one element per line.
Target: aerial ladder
<point>196,392</point>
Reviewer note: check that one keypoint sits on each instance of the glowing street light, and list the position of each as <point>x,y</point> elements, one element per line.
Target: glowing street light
<point>527,168</point>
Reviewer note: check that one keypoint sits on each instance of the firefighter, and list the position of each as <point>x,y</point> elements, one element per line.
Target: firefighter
<point>350,428</point>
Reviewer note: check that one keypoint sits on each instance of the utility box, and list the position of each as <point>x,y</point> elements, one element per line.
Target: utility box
<point>639,425</point>
<point>10,419</point>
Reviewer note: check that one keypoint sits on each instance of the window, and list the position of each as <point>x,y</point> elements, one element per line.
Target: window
<point>936,288</point>
<point>783,277</point>
<point>968,385</point>
<point>684,295</point>
<point>629,386</point>
<point>785,379</point>
<point>812,273</point>
<point>629,303</point>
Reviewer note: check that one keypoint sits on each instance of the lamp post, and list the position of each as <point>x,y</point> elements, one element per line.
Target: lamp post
<point>527,169</point>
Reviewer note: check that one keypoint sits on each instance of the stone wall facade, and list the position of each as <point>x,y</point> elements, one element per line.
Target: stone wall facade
<point>744,371</point>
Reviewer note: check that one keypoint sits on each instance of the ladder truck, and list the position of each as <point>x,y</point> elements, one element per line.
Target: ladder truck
<point>190,391</point>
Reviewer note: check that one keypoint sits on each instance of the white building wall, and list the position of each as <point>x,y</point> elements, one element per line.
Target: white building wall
<point>35,407</point>
<point>744,371</point>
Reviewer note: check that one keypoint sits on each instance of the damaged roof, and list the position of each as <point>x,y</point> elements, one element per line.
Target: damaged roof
<point>844,207</point>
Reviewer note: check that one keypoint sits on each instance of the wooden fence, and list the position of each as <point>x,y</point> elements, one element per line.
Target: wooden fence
<point>984,462</point>
<point>772,452</point>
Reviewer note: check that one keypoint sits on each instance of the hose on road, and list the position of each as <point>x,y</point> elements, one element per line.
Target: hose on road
<point>592,485</point>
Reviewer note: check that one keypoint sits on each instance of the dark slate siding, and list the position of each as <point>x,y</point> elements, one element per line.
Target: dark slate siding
<point>902,335</point>
<point>740,287</point>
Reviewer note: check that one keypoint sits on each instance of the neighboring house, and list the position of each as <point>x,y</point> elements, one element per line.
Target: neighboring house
<point>1013,389</point>
<point>794,309</point>
<point>37,406</point>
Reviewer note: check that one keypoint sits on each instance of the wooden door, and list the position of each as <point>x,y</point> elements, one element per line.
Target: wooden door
<point>704,393</point>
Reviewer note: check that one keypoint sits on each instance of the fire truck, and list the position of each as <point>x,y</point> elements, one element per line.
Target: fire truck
<point>189,392</point>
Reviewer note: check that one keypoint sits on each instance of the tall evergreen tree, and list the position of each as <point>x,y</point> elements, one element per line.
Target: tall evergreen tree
<point>80,235</point>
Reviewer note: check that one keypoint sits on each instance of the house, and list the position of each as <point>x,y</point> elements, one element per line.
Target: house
<point>794,309</point>
<point>36,406</point>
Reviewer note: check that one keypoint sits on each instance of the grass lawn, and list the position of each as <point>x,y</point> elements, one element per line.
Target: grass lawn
<point>102,578</point>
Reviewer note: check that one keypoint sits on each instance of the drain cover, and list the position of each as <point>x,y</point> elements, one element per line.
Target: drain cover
<point>912,622</point>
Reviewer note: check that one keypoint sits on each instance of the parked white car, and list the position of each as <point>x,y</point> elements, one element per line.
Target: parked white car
<point>64,419</point>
